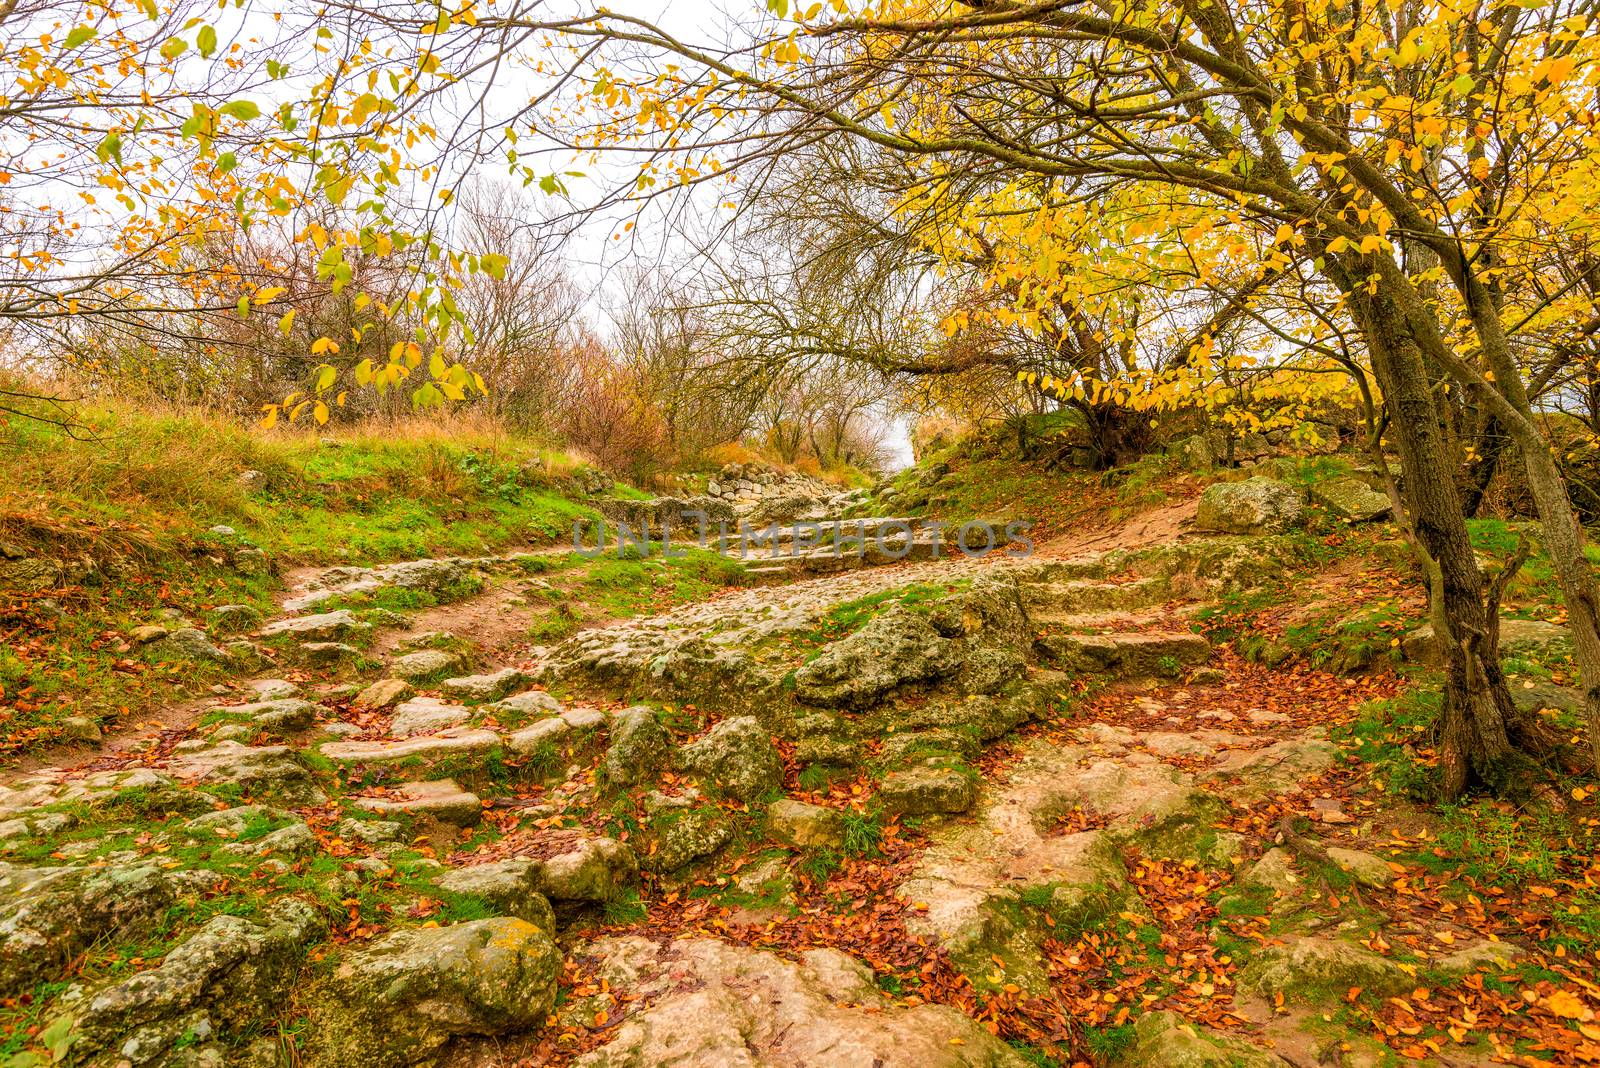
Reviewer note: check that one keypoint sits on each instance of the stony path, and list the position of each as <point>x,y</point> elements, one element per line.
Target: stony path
<point>890,816</point>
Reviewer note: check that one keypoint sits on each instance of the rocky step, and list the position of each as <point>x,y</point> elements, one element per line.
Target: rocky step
<point>420,749</point>
<point>1132,654</point>
<point>440,799</point>
<point>1046,600</point>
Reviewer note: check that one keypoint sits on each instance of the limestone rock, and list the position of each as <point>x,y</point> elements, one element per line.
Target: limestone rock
<point>639,745</point>
<point>233,618</point>
<point>925,791</point>
<point>49,915</point>
<point>507,885</point>
<point>451,741</point>
<point>1305,966</point>
<point>1518,637</point>
<point>398,1001</point>
<point>528,703</point>
<point>239,970</point>
<point>1255,506</point>
<point>280,716</point>
<point>708,1003</point>
<point>739,757</point>
<point>268,770</point>
<point>326,627</point>
<point>489,687</point>
<point>1167,1039</point>
<point>597,869</point>
<point>384,693</point>
<point>425,665</point>
<point>1351,499</point>
<point>896,647</point>
<point>440,799</point>
<point>186,643</point>
<point>804,826</point>
<point>541,738</point>
<point>682,830</point>
<point>422,714</point>
<point>326,654</point>
<point>1364,868</point>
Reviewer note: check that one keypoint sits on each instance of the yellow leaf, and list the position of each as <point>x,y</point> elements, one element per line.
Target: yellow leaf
<point>1568,1006</point>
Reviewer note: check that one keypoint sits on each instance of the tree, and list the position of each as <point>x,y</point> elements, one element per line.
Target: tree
<point>1423,158</point>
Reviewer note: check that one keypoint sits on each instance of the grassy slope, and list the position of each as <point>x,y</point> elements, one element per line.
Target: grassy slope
<point>141,493</point>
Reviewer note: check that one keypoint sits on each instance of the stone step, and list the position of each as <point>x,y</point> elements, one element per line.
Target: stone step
<point>441,799</point>
<point>1042,600</point>
<point>453,741</point>
<point>1132,654</point>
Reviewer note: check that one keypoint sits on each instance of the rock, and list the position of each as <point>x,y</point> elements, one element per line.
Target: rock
<point>896,647</point>
<point>1326,967</point>
<point>283,715</point>
<point>597,869</point>
<point>440,799</point>
<point>1329,810</point>
<point>326,654</point>
<point>185,643</point>
<point>804,826</point>
<point>1528,638</point>
<point>528,703</point>
<point>1480,956</point>
<point>240,971</point>
<point>739,757</point>
<point>540,739</point>
<point>426,665</point>
<point>1274,871</point>
<point>251,561</point>
<point>384,693</point>
<point>704,1002</point>
<point>1351,499</point>
<point>372,832</point>
<point>80,729</point>
<point>1198,452</point>
<point>269,770</point>
<point>233,618</point>
<point>681,830</point>
<point>1274,768</point>
<point>327,627</point>
<point>146,634</point>
<point>639,745</point>
<point>925,791</point>
<point>420,715</point>
<point>507,885</point>
<point>486,687</point>
<point>398,1001</point>
<point>295,840</point>
<point>1167,1039</point>
<point>231,822</point>
<point>272,689</point>
<point>1255,506</point>
<point>49,915</point>
<point>1365,868</point>
<point>451,741</point>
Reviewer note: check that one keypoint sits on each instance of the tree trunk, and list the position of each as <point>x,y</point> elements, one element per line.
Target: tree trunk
<point>1478,731</point>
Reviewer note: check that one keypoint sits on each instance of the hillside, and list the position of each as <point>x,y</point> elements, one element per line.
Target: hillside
<point>333,751</point>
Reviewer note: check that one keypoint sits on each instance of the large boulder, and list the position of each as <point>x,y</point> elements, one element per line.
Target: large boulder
<point>403,998</point>
<point>738,756</point>
<point>896,647</point>
<point>227,977</point>
<point>185,643</point>
<point>507,886</point>
<point>639,745</point>
<point>49,915</point>
<point>326,626</point>
<point>595,869</point>
<point>1351,499</point>
<point>1255,506</point>
<point>704,1002</point>
<point>1528,638</point>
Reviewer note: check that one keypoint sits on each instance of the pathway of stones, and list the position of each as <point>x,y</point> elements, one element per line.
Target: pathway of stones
<point>902,816</point>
